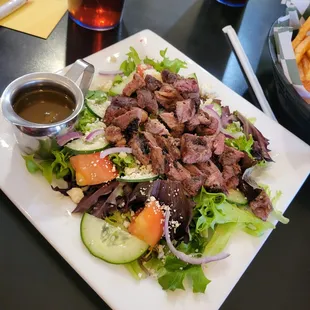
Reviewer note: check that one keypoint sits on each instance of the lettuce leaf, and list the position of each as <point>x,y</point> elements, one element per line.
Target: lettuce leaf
<point>177,271</point>
<point>122,162</point>
<point>85,118</point>
<point>174,65</point>
<point>220,238</point>
<point>129,65</point>
<point>212,209</point>
<point>59,166</point>
<point>242,144</point>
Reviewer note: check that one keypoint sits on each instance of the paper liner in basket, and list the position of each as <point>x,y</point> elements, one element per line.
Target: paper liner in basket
<point>297,12</point>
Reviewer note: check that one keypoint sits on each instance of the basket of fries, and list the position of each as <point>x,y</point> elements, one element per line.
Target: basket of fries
<point>289,46</point>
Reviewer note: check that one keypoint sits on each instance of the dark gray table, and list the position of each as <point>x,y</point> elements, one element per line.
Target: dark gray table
<point>33,275</point>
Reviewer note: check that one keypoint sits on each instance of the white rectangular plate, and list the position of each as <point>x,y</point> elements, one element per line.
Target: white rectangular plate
<point>50,213</point>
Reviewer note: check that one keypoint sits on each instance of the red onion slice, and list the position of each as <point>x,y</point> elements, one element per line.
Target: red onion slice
<point>114,72</point>
<point>113,150</point>
<point>188,258</point>
<point>64,139</point>
<point>91,136</point>
<point>212,113</point>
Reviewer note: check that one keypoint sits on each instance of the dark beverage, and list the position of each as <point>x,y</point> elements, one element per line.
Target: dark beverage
<point>96,14</point>
<point>235,3</point>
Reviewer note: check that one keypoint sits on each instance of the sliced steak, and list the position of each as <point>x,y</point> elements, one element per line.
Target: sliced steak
<point>152,83</point>
<point>136,83</point>
<point>185,110</point>
<point>261,206</point>
<point>170,145</point>
<point>231,175</point>
<point>208,130</point>
<point>156,153</point>
<point>125,119</point>
<point>147,101</point>
<point>193,184</point>
<point>230,156</point>
<point>114,134</point>
<point>155,127</point>
<point>214,179</point>
<point>124,102</point>
<point>119,105</point>
<point>170,120</point>
<point>193,123</point>
<point>140,149</point>
<point>167,97</point>
<point>176,172</point>
<point>218,144</point>
<point>186,86</point>
<point>169,77</point>
<point>195,149</point>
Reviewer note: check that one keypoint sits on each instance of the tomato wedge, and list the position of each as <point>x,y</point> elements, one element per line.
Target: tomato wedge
<point>148,225</point>
<point>90,169</point>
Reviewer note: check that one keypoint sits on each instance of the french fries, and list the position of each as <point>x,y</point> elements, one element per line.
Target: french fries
<point>302,33</point>
<point>301,46</point>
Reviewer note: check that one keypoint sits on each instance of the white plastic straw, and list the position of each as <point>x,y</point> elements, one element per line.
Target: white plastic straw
<point>231,33</point>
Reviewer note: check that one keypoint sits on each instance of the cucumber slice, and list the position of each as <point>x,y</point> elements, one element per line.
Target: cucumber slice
<point>129,179</point>
<point>110,243</point>
<point>80,146</point>
<point>235,196</point>
<point>118,88</point>
<point>97,108</point>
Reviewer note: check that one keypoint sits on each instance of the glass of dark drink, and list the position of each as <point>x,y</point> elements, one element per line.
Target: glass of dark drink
<point>97,15</point>
<point>234,3</point>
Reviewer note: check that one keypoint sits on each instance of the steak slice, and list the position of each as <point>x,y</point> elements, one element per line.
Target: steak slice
<point>193,184</point>
<point>218,144</point>
<point>208,130</point>
<point>152,83</point>
<point>169,77</point>
<point>147,101</point>
<point>231,175</point>
<point>136,83</point>
<point>261,206</point>
<point>114,134</point>
<point>125,119</point>
<point>230,156</point>
<point>170,120</point>
<point>157,156</point>
<point>170,145</point>
<point>167,97</point>
<point>185,110</point>
<point>186,86</point>
<point>176,172</point>
<point>155,127</point>
<point>140,149</point>
<point>119,105</point>
<point>195,149</point>
<point>214,179</point>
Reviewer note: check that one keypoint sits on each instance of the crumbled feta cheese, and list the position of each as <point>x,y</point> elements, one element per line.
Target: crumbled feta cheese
<point>161,252</point>
<point>126,224</point>
<point>206,91</point>
<point>153,73</point>
<point>76,194</point>
<point>141,172</point>
<point>122,155</point>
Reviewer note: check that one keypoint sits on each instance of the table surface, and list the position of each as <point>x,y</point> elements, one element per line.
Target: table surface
<point>32,274</point>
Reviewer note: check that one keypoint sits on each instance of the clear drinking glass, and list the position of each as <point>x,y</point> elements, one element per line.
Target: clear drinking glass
<point>234,3</point>
<point>96,14</point>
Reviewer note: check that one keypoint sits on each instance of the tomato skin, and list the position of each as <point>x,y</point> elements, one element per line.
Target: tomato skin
<point>90,169</point>
<point>148,225</point>
<point>142,67</point>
